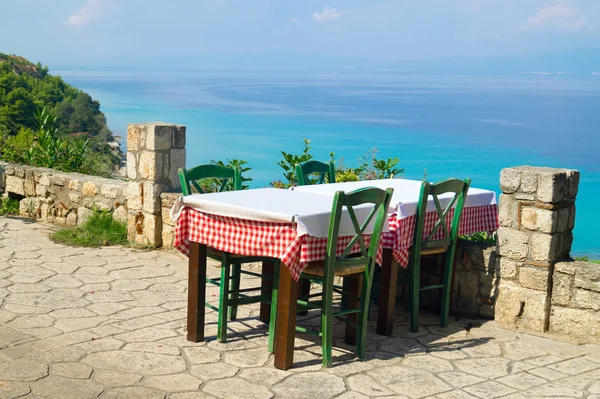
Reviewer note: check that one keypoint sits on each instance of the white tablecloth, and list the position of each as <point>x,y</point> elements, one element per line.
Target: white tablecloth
<point>406,194</point>
<point>310,211</point>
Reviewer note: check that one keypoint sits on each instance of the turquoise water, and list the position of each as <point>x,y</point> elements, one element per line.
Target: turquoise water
<point>447,126</point>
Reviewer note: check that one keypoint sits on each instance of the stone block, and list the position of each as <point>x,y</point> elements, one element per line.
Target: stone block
<point>71,219</point>
<point>537,219</point>
<point>168,236</point>
<point>83,215</point>
<point>20,170</point>
<point>89,189</point>
<point>573,177</point>
<point>566,267</point>
<point>144,228</point>
<point>135,137</point>
<point>469,287</point>
<point>131,166</point>
<point>120,214</point>
<point>521,307</point>
<point>150,166</point>
<point>74,198</point>
<point>508,211</point>
<point>562,223</point>
<point>553,185</point>
<point>110,191</point>
<point>536,278</point>
<point>29,184</point>
<point>566,242</point>
<point>524,196</point>
<point>510,179</point>
<point>586,300</point>
<point>59,180</point>
<point>545,247</point>
<point>580,324</point>
<point>179,136</point>
<point>45,179</point>
<point>15,185</point>
<point>529,181</point>
<point>178,157</point>
<point>587,276</point>
<point>513,243</point>
<point>9,170</point>
<point>508,268</point>
<point>134,196</point>
<point>29,207</point>
<point>74,185</point>
<point>159,137</point>
<point>572,212</point>
<point>151,197</point>
<point>562,289</point>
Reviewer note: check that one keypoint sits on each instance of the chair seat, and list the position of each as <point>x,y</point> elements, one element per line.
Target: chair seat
<point>431,251</point>
<point>318,269</point>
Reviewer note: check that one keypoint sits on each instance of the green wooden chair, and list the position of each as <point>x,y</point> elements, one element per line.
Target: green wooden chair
<point>323,170</point>
<point>230,294</point>
<point>355,269</point>
<point>430,246</point>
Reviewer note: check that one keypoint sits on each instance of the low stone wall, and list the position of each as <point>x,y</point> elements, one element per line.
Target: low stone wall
<point>168,227</point>
<point>62,198</point>
<point>475,284</point>
<point>575,309</point>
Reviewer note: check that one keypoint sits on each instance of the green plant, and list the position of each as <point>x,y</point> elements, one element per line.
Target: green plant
<point>9,206</point>
<point>483,237</point>
<point>372,168</point>
<point>99,230</point>
<point>585,258</point>
<point>290,161</point>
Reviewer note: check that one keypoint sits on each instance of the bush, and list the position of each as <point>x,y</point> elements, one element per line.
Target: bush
<point>9,206</point>
<point>99,230</point>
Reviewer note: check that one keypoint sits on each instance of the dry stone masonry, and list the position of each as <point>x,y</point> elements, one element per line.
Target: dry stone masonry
<point>155,151</point>
<point>62,198</point>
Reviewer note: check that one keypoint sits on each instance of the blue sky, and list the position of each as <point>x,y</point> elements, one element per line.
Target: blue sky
<point>86,30</point>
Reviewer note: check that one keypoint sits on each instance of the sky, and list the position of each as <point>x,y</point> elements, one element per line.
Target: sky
<point>80,31</point>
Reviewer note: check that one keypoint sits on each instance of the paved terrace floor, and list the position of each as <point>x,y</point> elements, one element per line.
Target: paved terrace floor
<point>110,323</point>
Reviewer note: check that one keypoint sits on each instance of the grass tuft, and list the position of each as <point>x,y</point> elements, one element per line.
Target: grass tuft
<point>586,259</point>
<point>9,206</point>
<point>99,230</point>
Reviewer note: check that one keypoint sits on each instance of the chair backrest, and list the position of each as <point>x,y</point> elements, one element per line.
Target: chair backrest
<point>304,170</point>
<point>192,177</point>
<point>380,200</point>
<point>441,235</point>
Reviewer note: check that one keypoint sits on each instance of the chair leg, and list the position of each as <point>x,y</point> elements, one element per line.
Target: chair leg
<point>447,290</point>
<point>352,285</point>
<point>223,299</point>
<point>235,286</point>
<point>415,274</point>
<point>327,320</point>
<point>273,318</point>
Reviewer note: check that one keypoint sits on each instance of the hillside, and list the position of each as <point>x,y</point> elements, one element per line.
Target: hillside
<point>25,88</point>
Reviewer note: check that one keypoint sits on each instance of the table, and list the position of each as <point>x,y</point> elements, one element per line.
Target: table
<point>479,215</point>
<point>284,224</point>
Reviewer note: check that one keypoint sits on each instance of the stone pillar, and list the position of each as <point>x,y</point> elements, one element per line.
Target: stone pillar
<point>536,216</point>
<point>154,153</point>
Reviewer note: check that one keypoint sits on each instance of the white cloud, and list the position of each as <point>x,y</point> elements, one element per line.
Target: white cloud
<point>328,14</point>
<point>557,17</point>
<point>91,10</point>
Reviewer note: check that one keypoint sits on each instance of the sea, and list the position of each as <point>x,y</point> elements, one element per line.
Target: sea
<point>437,126</point>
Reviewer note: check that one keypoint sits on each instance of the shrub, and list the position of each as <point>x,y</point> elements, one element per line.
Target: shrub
<point>99,230</point>
<point>9,206</point>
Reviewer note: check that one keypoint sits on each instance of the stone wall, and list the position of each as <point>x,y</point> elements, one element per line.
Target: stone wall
<point>575,304</point>
<point>62,198</point>
<point>475,284</point>
<point>168,227</point>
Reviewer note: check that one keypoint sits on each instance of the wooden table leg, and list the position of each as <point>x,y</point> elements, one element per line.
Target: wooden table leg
<point>266,285</point>
<point>285,330</point>
<point>387,295</point>
<point>196,292</point>
<point>354,287</point>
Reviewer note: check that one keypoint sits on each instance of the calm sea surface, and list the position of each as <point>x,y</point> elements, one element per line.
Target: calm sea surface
<point>448,126</point>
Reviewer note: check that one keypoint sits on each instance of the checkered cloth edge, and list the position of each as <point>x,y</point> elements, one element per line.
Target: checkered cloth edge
<point>280,240</point>
<point>254,238</point>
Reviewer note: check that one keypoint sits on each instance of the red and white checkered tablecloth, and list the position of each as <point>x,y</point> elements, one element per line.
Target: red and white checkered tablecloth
<point>254,238</point>
<point>280,240</point>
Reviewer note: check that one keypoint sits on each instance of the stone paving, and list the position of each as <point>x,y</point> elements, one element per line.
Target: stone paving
<point>110,323</point>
